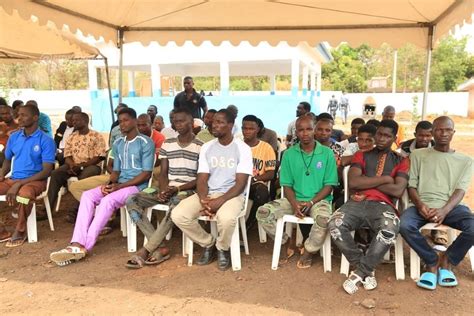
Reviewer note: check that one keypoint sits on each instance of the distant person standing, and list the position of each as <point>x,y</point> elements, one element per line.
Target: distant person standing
<point>190,99</point>
<point>333,106</point>
<point>344,107</point>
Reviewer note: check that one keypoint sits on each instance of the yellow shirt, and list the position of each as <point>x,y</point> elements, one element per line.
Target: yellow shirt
<point>263,158</point>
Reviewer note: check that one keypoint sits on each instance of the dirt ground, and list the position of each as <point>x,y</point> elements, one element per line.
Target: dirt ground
<point>100,284</point>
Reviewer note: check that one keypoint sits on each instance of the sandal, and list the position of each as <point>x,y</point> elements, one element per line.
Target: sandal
<point>67,255</point>
<point>370,282</point>
<point>286,255</point>
<point>305,261</point>
<point>446,278</point>
<point>427,281</point>
<point>16,241</point>
<point>350,285</point>
<point>135,262</point>
<point>155,260</point>
<point>4,239</point>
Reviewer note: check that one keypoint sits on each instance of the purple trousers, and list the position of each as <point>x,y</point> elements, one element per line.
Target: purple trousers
<point>95,210</point>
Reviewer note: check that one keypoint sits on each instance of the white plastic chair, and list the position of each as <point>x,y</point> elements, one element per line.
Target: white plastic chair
<point>415,259</point>
<point>399,259</point>
<point>31,224</point>
<point>235,242</point>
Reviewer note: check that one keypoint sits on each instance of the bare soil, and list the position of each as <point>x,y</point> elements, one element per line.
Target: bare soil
<point>100,284</point>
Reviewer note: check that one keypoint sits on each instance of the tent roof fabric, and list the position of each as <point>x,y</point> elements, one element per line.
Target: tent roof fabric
<point>26,40</point>
<point>363,21</point>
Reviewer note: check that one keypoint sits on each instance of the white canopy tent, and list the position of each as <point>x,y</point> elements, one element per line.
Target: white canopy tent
<point>396,22</point>
<point>27,41</point>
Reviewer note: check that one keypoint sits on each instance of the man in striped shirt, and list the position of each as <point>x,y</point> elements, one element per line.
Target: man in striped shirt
<point>179,162</point>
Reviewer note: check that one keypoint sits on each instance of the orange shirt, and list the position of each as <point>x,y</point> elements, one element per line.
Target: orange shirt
<point>158,139</point>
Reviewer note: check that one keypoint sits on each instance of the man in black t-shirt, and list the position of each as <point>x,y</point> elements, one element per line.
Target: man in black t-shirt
<point>190,99</point>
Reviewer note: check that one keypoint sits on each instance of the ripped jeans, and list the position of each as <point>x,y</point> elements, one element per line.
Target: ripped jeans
<point>269,213</point>
<point>379,217</point>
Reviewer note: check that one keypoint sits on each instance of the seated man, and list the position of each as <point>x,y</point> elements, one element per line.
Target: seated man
<point>224,167</point>
<point>33,151</point>
<point>7,127</point>
<point>44,122</point>
<point>364,142</point>
<point>158,123</point>
<point>64,130</point>
<point>322,133</point>
<point>264,162</point>
<point>177,180</point>
<point>439,178</point>
<point>389,114</point>
<point>378,176</point>
<point>423,138</point>
<point>205,134</point>
<point>133,166</point>
<point>308,174</point>
<point>83,152</point>
<point>355,125</point>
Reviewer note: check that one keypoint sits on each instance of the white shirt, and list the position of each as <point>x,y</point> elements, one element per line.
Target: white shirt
<point>66,134</point>
<point>169,132</point>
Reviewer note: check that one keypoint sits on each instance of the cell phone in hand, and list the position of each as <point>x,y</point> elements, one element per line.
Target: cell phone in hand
<point>305,210</point>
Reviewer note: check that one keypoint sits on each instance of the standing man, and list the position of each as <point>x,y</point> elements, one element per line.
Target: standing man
<point>152,111</point>
<point>378,176</point>
<point>83,152</point>
<point>345,107</point>
<point>177,180</point>
<point>333,106</point>
<point>308,173</point>
<point>33,152</point>
<point>264,163</point>
<point>224,167</point>
<point>389,114</point>
<point>439,179</point>
<point>291,138</point>
<point>133,164</point>
<point>190,99</point>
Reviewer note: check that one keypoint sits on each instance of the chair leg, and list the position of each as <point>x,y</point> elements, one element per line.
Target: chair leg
<point>326,252</point>
<point>60,195</point>
<point>123,222</point>
<point>31,226</point>
<point>399,260</point>
<point>131,233</point>
<point>299,236</point>
<point>414,265</point>
<point>235,248</point>
<point>213,229</point>
<point>262,234</point>
<point>48,212</point>
<point>189,249</point>
<point>243,229</point>
<point>277,245</point>
<point>345,263</point>
<point>471,258</point>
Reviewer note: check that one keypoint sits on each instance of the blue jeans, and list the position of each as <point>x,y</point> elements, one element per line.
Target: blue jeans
<point>459,218</point>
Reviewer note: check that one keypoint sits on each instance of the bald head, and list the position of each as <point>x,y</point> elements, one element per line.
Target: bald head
<point>144,124</point>
<point>443,120</point>
<point>388,113</point>
<point>443,132</point>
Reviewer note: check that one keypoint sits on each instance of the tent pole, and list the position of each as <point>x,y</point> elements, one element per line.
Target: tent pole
<point>120,44</point>
<point>108,89</point>
<point>427,71</point>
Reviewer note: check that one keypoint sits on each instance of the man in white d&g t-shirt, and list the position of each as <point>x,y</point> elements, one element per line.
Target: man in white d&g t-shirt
<point>225,164</point>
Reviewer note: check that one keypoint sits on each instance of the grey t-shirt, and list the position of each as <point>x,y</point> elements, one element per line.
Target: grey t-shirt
<point>224,162</point>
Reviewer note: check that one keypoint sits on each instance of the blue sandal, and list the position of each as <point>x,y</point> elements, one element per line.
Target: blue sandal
<point>427,281</point>
<point>447,278</point>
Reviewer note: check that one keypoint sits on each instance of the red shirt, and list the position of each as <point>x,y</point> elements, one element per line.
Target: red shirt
<point>372,165</point>
<point>158,139</point>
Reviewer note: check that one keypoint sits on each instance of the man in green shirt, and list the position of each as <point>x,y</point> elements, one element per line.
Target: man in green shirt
<point>308,173</point>
<point>439,178</point>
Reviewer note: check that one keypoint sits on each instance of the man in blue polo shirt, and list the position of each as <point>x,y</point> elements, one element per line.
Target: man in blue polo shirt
<point>34,154</point>
<point>44,122</point>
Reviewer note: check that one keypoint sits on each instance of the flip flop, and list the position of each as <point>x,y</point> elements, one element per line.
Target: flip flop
<point>446,278</point>
<point>135,262</point>
<point>68,254</point>
<point>305,261</point>
<point>153,261</point>
<point>427,281</point>
<point>17,242</point>
<point>4,239</point>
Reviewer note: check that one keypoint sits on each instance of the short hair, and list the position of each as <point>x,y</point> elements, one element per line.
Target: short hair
<point>211,111</point>
<point>16,104</point>
<point>230,118</point>
<point>367,128</point>
<point>306,106</point>
<point>358,120</point>
<point>131,112</point>
<point>183,111</point>
<point>153,106</point>
<point>71,111</point>
<point>146,117</point>
<point>76,108</point>
<point>390,124</point>
<point>374,122</point>
<point>159,117</point>
<point>325,120</point>
<point>389,108</point>
<point>234,109</point>
<point>33,102</point>
<point>251,118</point>
<point>3,101</point>
<point>188,78</point>
<point>33,109</point>
<point>423,125</point>
<point>83,115</point>
<point>122,105</point>
<point>324,115</point>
